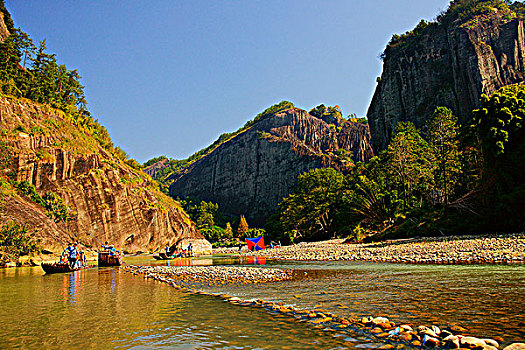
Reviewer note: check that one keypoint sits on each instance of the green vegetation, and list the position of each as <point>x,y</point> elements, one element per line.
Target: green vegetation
<point>467,13</point>
<point>205,215</point>
<point>6,189</point>
<point>446,180</point>
<point>499,127</point>
<point>323,112</point>
<point>35,74</point>
<point>7,17</point>
<point>53,203</point>
<point>277,108</point>
<point>217,227</point>
<point>30,72</point>
<point>153,161</point>
<point>311,211</point>
<point>15,240</point>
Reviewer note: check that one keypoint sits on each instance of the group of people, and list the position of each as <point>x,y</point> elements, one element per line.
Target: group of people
<point>184,253</point>
<point>111,249</point>
<point>73,256</point>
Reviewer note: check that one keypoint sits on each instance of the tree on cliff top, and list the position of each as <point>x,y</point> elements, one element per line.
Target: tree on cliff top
<point>323,111</point>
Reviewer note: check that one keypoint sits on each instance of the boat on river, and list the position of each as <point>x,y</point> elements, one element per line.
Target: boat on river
<point>109,258</point>
<point>163,256</point>
<point>60,267</point>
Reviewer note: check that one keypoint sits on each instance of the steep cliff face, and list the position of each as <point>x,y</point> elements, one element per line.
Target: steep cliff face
<point>251,173</point>
<point>6,23</point>
<point>449,64</point>
<point>108,200</point>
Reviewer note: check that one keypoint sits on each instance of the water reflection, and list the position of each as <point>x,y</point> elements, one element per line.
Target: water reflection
<point>488,300</point>
<point>253,260</point>
<point>72,284</point>
<point>107,308</point>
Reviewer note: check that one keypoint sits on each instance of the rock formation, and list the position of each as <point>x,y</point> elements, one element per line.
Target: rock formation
<point>108,200</point>
<point>156,167</point>
<point>449,63</point>
<point>6,24</point>
<point>251,173</point>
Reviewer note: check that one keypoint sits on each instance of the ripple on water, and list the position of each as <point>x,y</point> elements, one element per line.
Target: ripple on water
<point>49,312</point>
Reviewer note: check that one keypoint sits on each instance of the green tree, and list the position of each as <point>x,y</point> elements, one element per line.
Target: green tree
<point>255,232</point>
<point>201,212</point>
<point>213,233</point>
<point>15,240</point>
<point>312,208</point>
<point>442,132</point>
<point>56,208</point>
<point>228,230</point>
<point>409,165</point>
<point>499,124</point>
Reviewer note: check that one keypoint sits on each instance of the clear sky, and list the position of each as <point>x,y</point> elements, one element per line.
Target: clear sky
<point>167,77</point>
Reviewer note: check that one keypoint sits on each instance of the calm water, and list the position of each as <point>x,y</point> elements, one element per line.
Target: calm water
<point>108,308</point>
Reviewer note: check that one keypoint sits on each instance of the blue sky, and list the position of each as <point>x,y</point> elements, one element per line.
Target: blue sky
<point>168,77</point>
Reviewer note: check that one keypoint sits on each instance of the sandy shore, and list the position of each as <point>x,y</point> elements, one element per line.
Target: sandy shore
<point>507,248</point>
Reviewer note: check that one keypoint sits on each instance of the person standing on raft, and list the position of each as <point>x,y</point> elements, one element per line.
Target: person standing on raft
<point>72,253</point>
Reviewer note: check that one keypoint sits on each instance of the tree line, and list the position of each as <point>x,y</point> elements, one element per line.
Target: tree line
<point>31,72</point>
<point>443,179</point>
<point>218,228</point>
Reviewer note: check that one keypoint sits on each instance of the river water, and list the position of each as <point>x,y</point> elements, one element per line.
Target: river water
<point>106,308</point>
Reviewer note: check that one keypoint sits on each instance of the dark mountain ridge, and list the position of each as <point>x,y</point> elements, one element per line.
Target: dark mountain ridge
<point>474,48</point>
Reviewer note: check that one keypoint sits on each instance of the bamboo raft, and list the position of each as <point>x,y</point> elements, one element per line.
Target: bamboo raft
<point>60,267</point>
<point>163,256</point>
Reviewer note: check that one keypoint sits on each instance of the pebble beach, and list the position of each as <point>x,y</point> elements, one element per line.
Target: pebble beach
<point>508,248</point>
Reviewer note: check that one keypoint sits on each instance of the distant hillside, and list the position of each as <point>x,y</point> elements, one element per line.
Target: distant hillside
<point>473,48</point>
<point>249,172</point>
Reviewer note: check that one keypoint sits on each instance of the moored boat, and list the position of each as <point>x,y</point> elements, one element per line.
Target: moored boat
<point>163,256</point>
<point>58,267</point>
<point>109,258</point>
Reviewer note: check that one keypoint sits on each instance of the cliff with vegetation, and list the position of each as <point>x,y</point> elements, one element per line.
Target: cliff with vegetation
<point>83,191</point>
<point>473,48</point>
<point>61,177</point>
<point>250,171</point>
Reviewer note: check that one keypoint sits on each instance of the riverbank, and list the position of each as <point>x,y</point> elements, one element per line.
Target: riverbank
<point>378,329</point>
<point>505,248</point>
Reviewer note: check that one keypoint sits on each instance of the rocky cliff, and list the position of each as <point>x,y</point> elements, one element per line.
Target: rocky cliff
<point>6,23</point>
<point>107,200</point>
<point>448,63</point>
<point>250,173</point>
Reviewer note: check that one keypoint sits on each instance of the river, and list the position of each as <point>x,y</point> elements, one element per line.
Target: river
<point>105,308</point>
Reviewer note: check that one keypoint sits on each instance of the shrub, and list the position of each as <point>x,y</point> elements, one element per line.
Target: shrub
<point>15,240</point>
